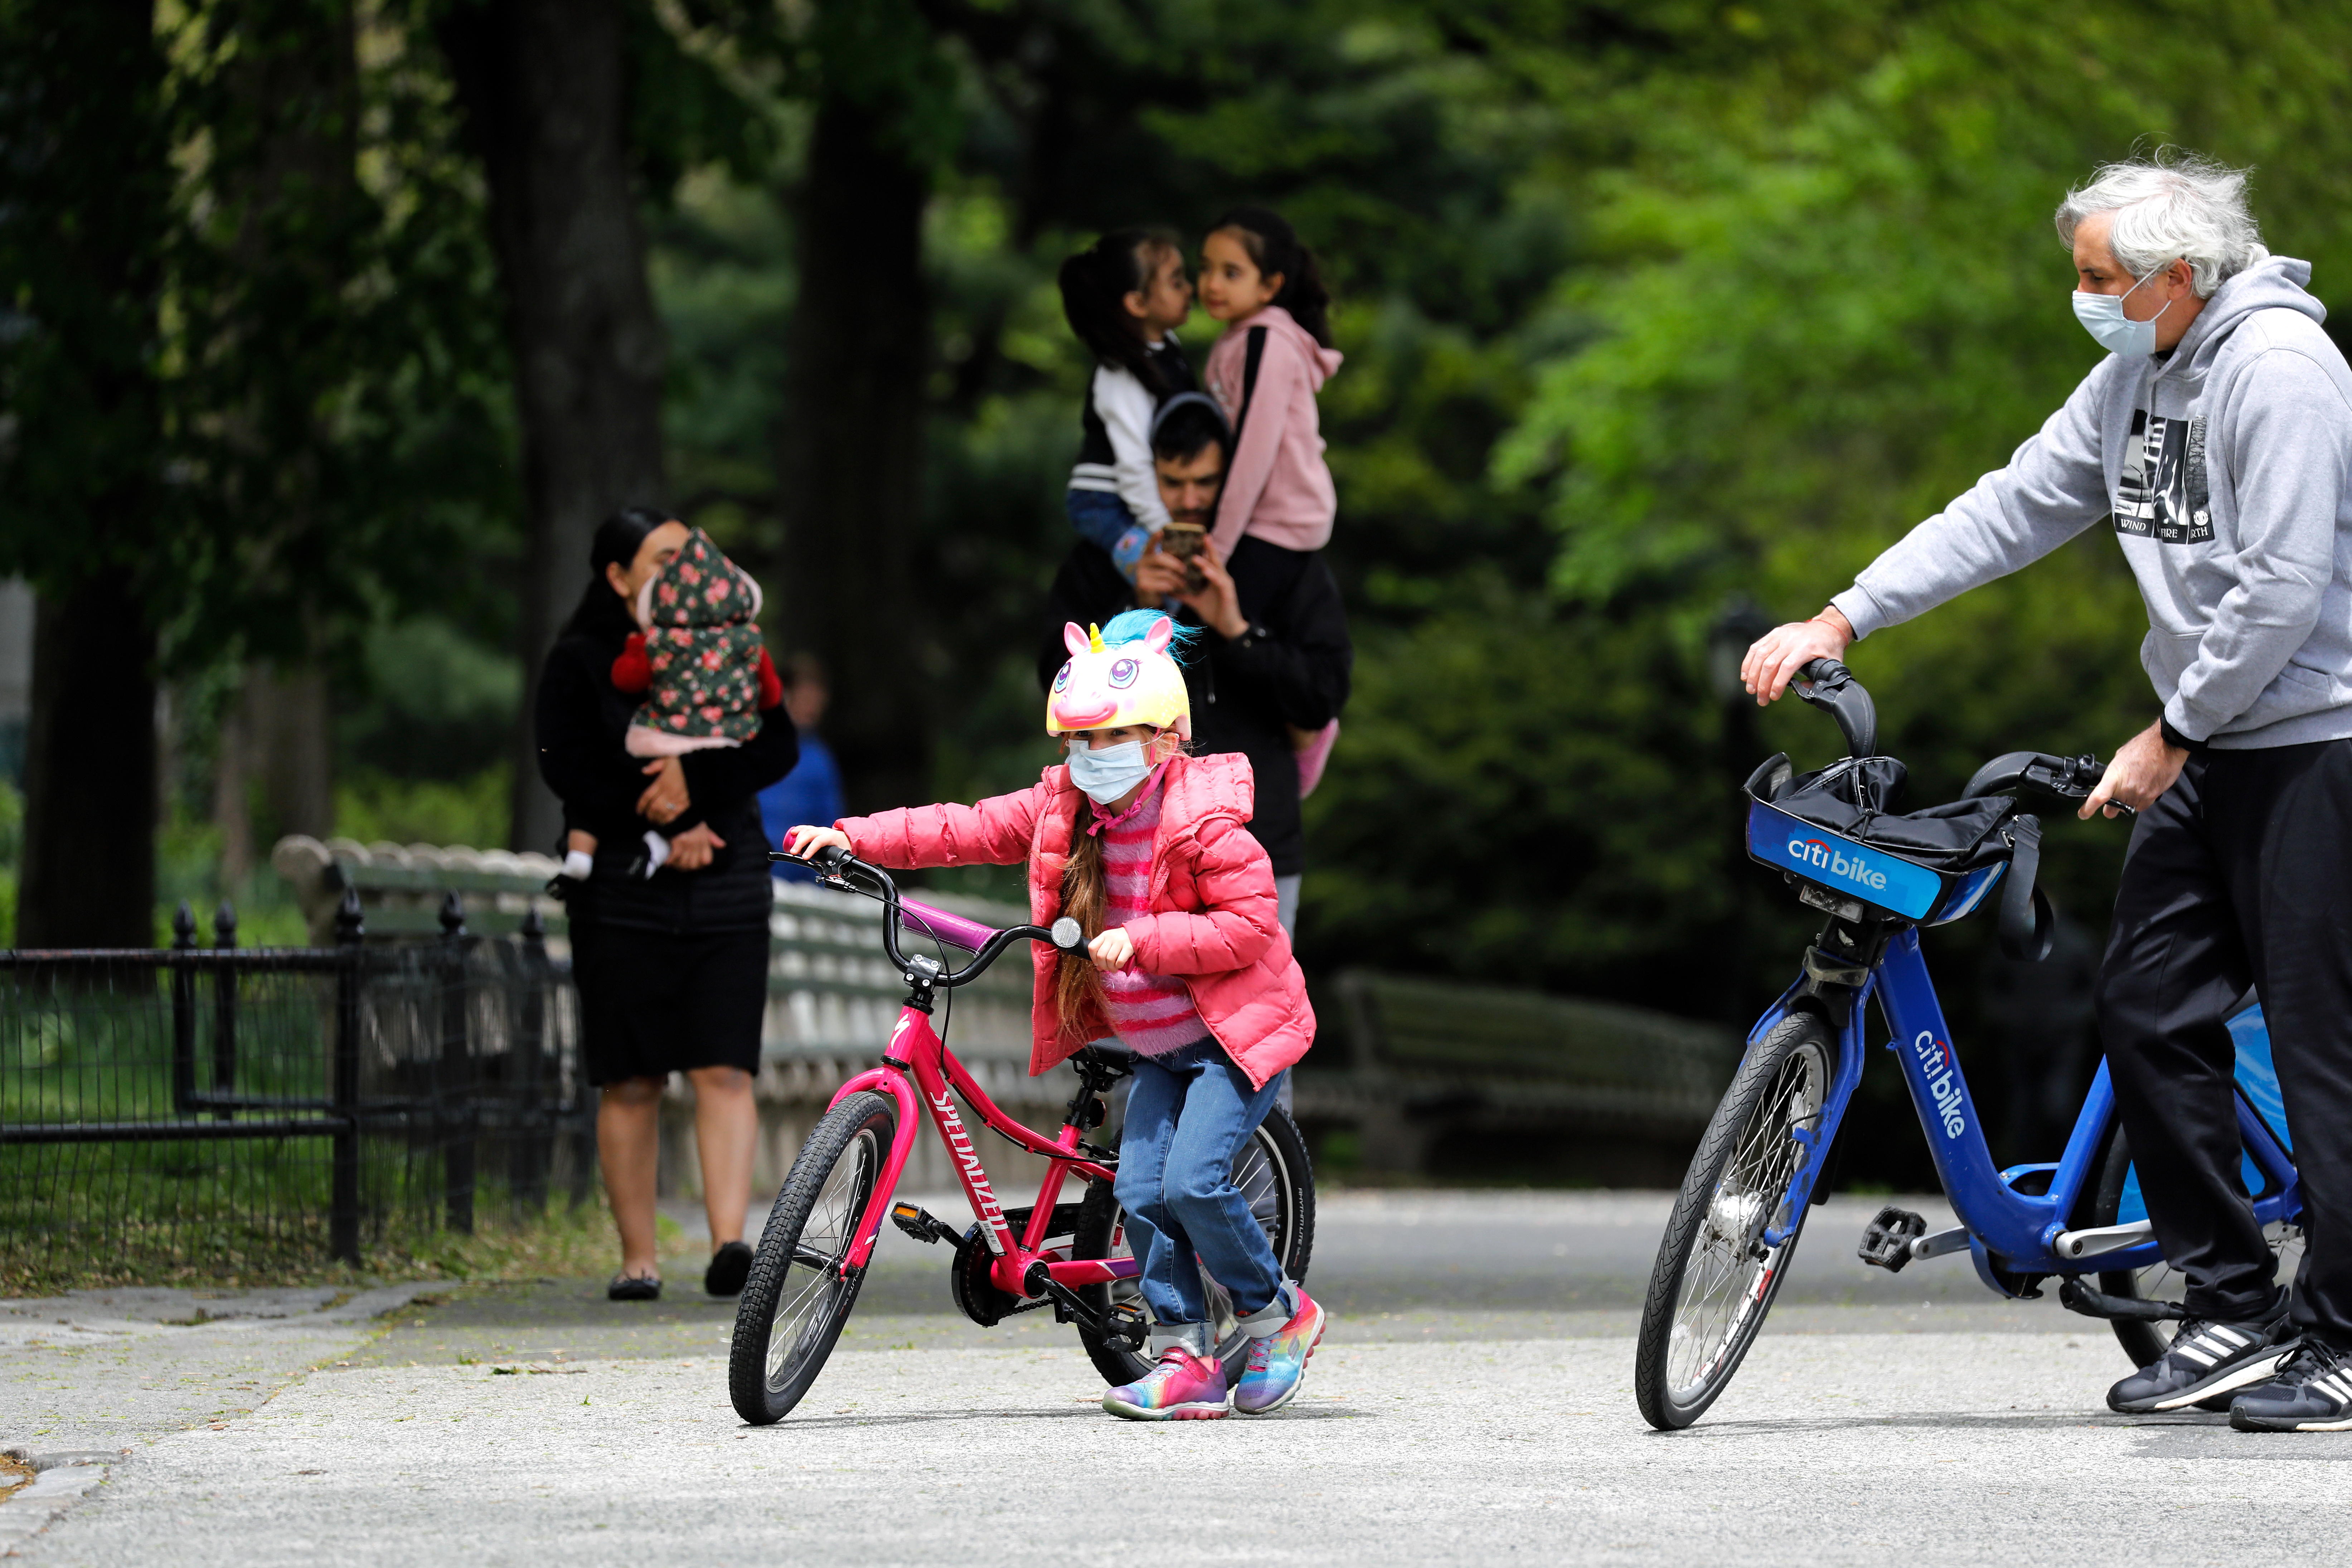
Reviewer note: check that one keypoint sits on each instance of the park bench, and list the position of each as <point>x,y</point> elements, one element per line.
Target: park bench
<point>1408,1061</point>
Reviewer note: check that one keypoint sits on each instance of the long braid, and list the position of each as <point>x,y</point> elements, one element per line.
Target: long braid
<point>1086,893</point>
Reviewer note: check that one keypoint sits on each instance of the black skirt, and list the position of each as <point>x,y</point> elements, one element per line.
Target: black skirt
<point>654,1003</point>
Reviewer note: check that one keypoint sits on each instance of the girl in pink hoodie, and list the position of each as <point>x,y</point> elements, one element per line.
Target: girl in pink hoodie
<point>1274,357</point>
<point>1146,847</point>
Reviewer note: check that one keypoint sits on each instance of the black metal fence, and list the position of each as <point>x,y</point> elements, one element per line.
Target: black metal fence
<point>203,1112</point>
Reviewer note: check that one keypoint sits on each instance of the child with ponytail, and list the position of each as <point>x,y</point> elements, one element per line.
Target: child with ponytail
<point>1276,355</point>
<point>1147,847</point>
<point>1125,296</point>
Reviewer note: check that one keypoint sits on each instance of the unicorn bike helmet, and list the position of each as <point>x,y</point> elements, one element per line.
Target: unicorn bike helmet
<point>1124,676</point>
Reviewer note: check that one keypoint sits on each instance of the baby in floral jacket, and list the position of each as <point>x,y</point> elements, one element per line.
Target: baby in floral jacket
<point>701,663</point>
<point>699,658</point>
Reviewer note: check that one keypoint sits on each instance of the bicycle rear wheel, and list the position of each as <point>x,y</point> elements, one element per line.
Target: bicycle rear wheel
<point>1716,1277</point>
<point>1273,1172</point>
<point>2108,1196</point>
<point>798,1297</point>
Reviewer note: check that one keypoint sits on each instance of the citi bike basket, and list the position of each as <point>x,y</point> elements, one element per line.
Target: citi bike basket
<point>1069,1257</point>
<point>1879,877</point>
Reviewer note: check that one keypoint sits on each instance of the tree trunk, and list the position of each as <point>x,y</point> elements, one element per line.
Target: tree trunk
<point>849,451</point>
<point>90,783</point>
<point>278,734</point>
<point>82,495</point>
<point>542,83</point>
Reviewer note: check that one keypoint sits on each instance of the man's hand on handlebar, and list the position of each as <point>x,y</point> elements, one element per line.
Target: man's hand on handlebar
<point>1774,658</point>
<point>1113,950</point>
<point>801,843</point>
<point>2143,769</point>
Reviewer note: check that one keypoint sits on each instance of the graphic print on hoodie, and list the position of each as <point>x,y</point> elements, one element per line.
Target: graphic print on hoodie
<point>2161,494</point>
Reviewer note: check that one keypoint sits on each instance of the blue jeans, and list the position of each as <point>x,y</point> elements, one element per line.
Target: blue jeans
<point>1186,1114</point>
<point>1101,518</point>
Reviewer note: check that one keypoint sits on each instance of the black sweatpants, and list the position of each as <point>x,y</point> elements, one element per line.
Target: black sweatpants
<point>2242,873</point>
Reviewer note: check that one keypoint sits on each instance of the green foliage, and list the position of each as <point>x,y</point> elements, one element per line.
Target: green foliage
<point>374,807</point>
<point>336,365</point>
<point>1818,304</point>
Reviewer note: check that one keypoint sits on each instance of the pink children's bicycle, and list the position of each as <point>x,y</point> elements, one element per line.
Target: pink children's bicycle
<point>1072,1257</point>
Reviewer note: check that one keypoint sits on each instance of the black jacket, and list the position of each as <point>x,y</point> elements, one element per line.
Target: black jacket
<point>1292,666</point>
<point>581,717</point>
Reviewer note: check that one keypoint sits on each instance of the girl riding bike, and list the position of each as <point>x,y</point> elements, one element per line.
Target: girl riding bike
<point>1146,847</point>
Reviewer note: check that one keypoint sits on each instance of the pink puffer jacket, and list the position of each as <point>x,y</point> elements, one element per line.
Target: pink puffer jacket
<point>1212,908</point>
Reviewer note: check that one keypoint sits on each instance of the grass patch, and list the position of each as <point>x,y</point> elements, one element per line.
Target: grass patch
<point>570,1240</point>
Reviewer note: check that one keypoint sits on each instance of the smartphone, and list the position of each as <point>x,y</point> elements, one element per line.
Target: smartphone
<point>1183,541</point>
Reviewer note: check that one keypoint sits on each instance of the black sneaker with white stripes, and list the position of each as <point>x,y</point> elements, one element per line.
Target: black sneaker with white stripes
<point>2208,1357</point>
<point>2312,1392</point>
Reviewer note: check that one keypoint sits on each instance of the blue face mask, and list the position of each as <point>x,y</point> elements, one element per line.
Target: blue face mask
<point>1109,772</point>
<point>2103,317</point>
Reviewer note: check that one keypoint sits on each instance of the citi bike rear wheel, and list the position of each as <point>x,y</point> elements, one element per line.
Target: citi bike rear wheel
<point>1716,1277</point>
<point>2104,1199</point>
<point>797,1298</point>
<point>1273,1172</point>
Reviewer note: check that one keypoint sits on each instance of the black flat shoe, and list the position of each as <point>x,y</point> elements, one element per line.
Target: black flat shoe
<point>630,1287</point>
<point>729,1266</point>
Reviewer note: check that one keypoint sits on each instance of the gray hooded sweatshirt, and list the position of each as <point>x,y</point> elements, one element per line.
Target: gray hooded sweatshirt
<point>2227,469</point>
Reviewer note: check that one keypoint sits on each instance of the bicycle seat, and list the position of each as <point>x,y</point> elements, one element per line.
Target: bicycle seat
<point>1108,1055</point>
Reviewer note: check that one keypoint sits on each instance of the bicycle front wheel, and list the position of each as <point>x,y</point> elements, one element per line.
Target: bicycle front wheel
<point>1716,1276</point>
<point>799,1295</point>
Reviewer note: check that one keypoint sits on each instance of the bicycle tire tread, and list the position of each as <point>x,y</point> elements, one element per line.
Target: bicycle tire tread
<point>828,1142</point>
<point>1758,1071</point>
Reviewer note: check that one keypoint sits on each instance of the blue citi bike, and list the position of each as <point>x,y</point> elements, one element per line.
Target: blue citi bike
<point>1880,878</point>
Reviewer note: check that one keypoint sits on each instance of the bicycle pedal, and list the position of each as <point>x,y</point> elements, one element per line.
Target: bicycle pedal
<point>1126,1326</point>
<point>1886,1240</point>
<point>920,1224</point>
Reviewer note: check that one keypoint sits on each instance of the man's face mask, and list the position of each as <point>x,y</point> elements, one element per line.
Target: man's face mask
<point>2103,317</point>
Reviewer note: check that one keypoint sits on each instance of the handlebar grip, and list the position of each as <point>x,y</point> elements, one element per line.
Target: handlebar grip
<point>1828,683</point>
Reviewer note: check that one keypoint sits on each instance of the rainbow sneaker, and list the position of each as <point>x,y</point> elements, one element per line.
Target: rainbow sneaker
<point>1182,1387</point>
<point>1277,1363</point>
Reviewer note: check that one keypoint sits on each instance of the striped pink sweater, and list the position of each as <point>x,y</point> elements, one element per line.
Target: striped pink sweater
<point>1152,1014</point>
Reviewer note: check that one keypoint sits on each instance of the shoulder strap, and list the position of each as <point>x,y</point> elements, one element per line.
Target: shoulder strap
<point>1255,352</point>
<point>2026,918</point>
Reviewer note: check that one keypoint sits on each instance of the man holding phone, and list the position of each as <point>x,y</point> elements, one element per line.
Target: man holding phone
<point>1274,654</point>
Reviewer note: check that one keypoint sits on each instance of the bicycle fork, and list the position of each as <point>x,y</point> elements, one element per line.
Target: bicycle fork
<point>1817,1141</point>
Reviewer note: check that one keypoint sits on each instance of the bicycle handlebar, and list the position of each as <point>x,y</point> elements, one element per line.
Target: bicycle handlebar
<point>836,865</point>
<point>2071,778</point>
<point>1826,683</point>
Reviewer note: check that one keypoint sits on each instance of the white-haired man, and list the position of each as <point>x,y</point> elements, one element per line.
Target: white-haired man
<point>2218,436</point>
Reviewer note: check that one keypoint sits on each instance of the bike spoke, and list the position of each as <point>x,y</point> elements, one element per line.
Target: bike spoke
<point>1724,1281</point>
<point>813,1279</point>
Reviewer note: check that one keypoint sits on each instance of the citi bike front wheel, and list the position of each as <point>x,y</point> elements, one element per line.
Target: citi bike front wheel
<point>1273,1172</point>
<point>798,1295</point>
<point>1716,1276</point>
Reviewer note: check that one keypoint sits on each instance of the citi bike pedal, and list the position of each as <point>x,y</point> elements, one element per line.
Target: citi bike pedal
<point>1886,1240</point>
<point>920,1224</point>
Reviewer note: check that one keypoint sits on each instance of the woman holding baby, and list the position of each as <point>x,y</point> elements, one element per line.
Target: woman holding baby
<point>659,746</point>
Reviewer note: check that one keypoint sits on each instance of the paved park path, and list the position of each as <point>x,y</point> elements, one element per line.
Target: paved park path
<point>1473,1403</point>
